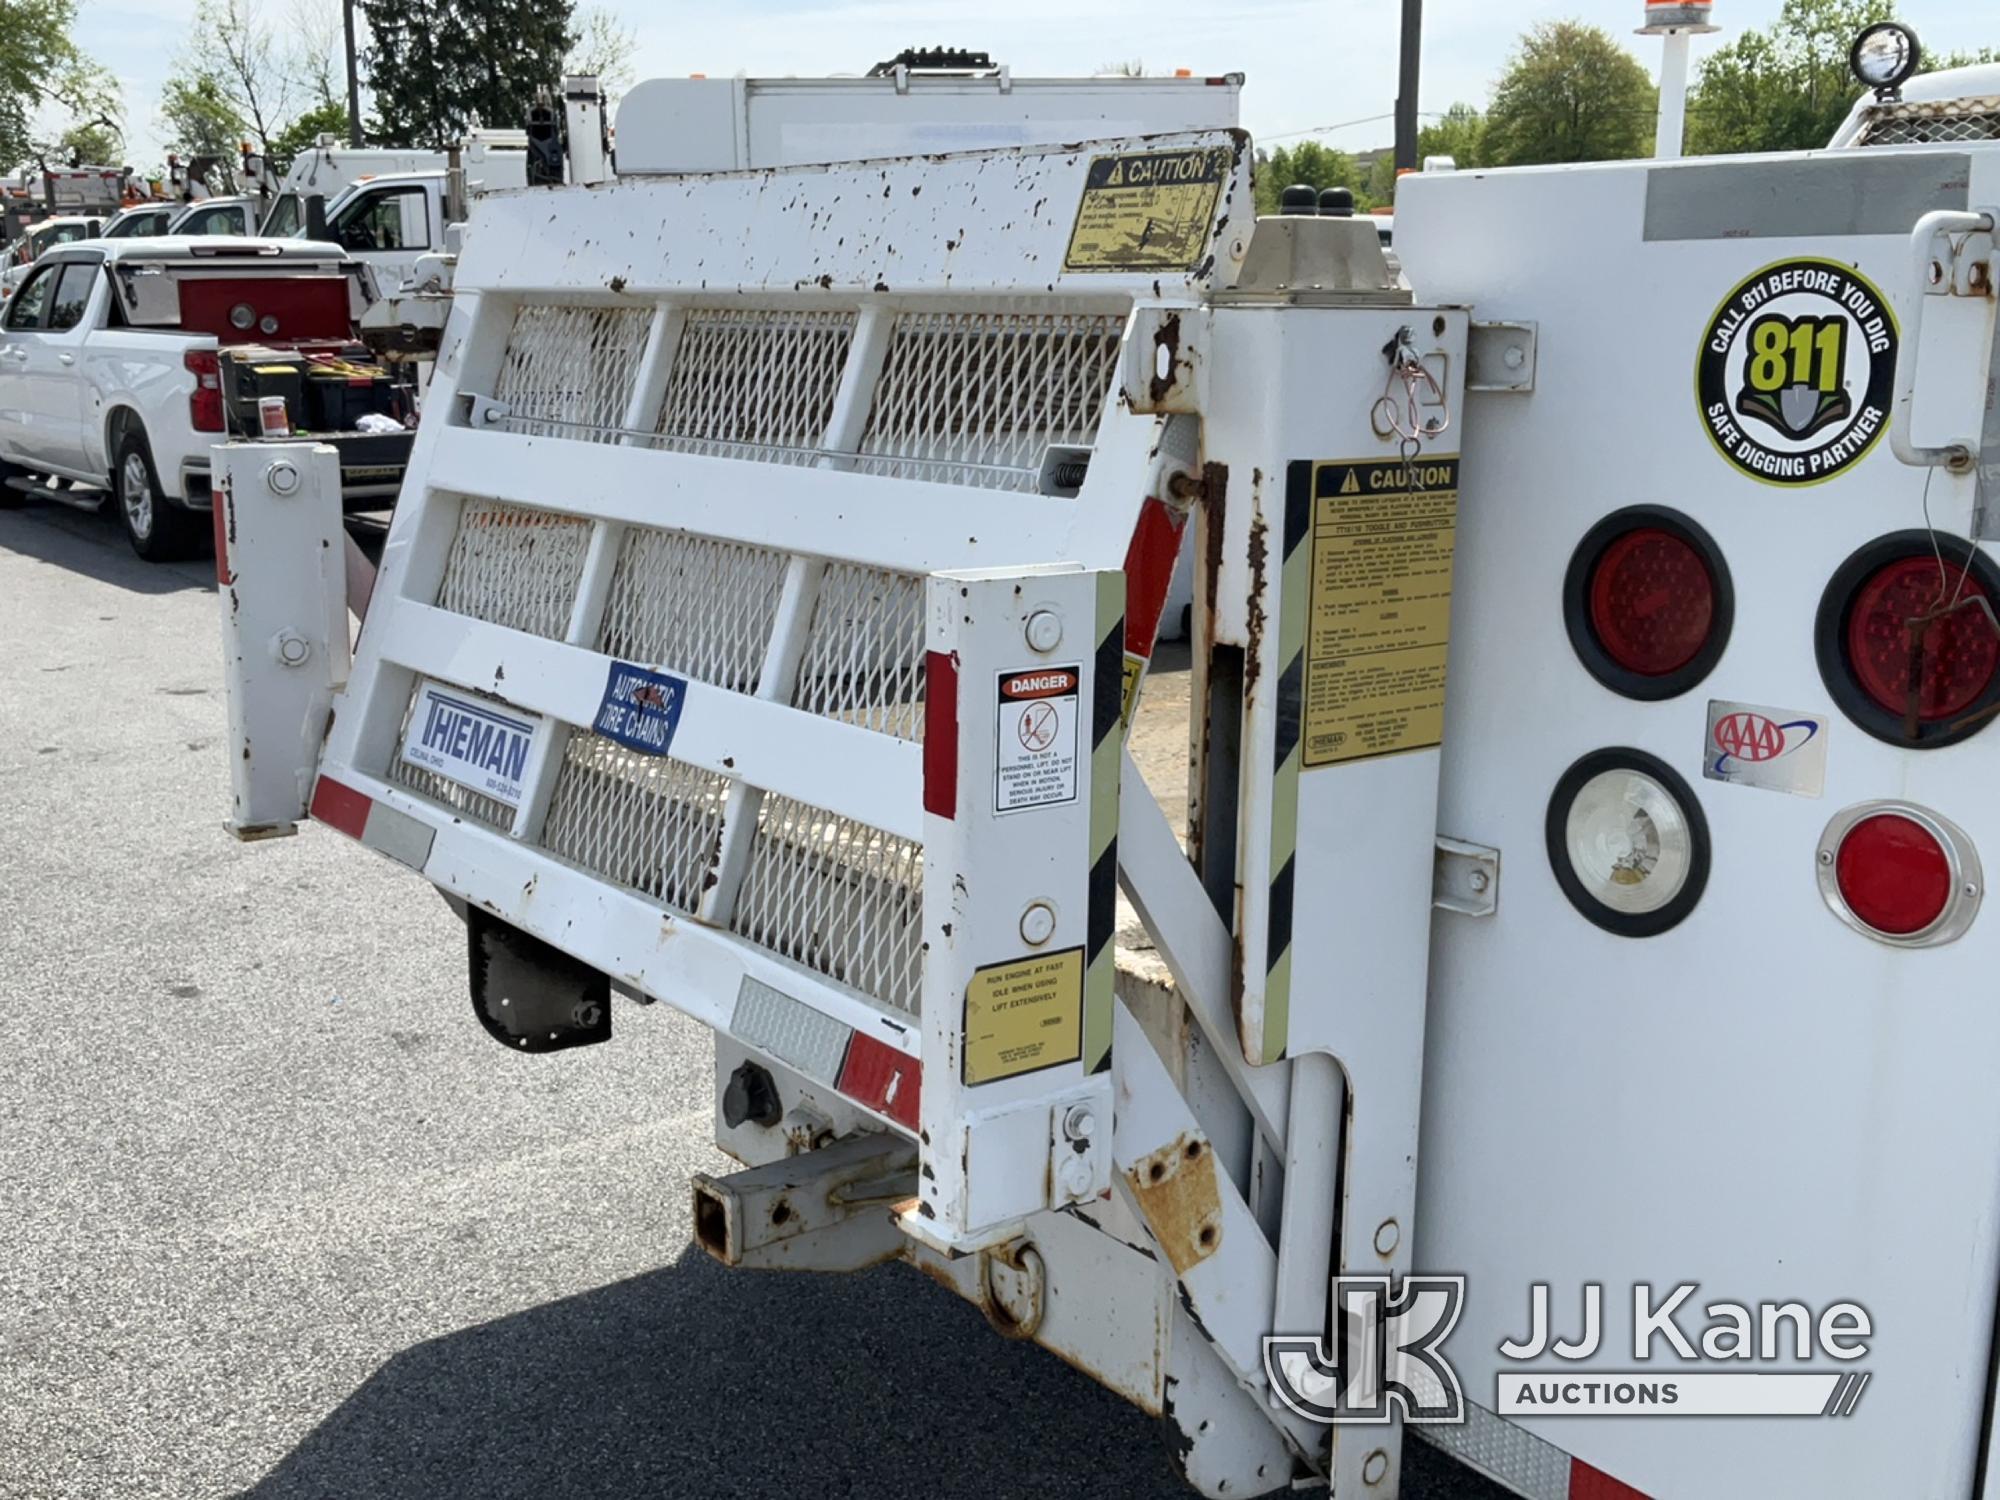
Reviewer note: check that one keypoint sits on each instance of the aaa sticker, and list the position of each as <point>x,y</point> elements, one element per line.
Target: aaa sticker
<point>1796,370</point>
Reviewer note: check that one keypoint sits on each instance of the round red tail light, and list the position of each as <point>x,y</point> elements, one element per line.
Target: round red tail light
<point>1958,654</point>
<point>1866,648</point>
<point>1648,602</point>
<point>1900,874</point>
<point>1651,602</point>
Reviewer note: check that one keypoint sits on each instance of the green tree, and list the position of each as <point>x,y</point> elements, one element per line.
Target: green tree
<point>439,66</point>
<point>95,142</point>
<point>40,68</point>
<point>1785,88</point>
<point>1308,162</point>
<point>199,121</point>
<point>329,118</point>
<point>1459,133</point>
<point>1570,93</point>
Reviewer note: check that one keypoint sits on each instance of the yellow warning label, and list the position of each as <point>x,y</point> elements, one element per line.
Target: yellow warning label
<point>1024,1015</point>
<point>1135,668</point>
<point>1379,617</point>
<point>1153,211</point>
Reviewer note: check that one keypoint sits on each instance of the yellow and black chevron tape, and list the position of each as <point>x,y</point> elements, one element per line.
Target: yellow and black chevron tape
<point>1294,584</point>
<point>1107,743</point>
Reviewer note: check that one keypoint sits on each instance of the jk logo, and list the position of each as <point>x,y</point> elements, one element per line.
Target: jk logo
<point>1387,1358</point>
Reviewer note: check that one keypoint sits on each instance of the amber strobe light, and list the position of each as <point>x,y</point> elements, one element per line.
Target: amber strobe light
<point>1647,602</point>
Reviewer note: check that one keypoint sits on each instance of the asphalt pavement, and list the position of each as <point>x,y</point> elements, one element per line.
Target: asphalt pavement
<point>277,1219</point>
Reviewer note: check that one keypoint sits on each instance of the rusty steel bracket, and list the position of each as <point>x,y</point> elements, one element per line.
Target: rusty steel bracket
<point>1500,357</point>
<point>1164,358</point>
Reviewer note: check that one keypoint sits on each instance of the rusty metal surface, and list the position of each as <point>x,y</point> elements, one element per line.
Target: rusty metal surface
<point>1176,1189</point>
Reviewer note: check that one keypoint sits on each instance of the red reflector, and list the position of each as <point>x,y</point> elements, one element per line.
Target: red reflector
<point>1586,1483</point>
<point>941,734</point>
<point>1960,653</point>
<point>1149,573</point>
<point>341,807</point>
<point>1893,874</point>
<point>882,1078</point>
<point>1652,602</point>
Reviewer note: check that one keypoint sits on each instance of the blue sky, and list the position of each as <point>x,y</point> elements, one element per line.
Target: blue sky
<point>1310,62</point>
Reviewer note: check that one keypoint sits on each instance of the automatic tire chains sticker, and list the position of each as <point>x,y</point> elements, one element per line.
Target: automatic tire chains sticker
<point>1795,371</point>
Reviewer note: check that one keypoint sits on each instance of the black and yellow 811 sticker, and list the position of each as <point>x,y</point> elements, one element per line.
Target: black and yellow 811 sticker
<point>1796,370</point>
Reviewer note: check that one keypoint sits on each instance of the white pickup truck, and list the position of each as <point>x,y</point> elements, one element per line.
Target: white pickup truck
<point>122,362</point>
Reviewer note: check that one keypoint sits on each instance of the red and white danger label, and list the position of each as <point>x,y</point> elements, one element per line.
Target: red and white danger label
<point>1035,738</point>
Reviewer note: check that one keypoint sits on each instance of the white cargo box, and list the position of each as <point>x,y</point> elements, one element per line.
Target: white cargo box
<point>673,125</point>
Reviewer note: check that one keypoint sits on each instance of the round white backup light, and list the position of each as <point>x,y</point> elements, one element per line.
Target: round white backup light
<point>243,316</point>
<point>1627,842</point>
<point>1884,55</point>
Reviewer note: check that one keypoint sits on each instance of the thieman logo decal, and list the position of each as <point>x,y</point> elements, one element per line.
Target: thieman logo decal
<point>1751,739</point>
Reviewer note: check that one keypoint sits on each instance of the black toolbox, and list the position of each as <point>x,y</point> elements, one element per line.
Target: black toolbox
<point>251,373</point>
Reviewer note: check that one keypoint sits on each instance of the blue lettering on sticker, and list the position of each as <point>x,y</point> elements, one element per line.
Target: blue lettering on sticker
<point>641,709</point>
<point>476,737</point>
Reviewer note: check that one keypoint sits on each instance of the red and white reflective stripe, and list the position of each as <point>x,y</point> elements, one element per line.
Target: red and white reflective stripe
<point>1531,1467</point>
<point>379,827</point>
<point>863,1068</point>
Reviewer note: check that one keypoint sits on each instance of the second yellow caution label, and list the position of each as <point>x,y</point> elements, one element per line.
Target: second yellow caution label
<point>1023,1015</point>
<point>1379,617</point>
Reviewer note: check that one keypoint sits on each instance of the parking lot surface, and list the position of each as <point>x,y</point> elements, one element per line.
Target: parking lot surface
<point>278,1219</point>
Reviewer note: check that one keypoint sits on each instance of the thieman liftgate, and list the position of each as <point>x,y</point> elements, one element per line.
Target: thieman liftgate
<point>764,614</point>
<point>759,628</point>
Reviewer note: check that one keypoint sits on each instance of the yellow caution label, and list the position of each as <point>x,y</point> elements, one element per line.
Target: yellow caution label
<point>1152,211</point>
<point>1023,1015</point>
<point>1379,614</point>
<point>1135,668</point>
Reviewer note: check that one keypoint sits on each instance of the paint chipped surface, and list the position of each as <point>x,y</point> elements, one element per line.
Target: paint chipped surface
<point>1178,1193</point>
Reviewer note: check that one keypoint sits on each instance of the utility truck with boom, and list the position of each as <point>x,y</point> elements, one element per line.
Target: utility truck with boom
<point>1560,1028</point>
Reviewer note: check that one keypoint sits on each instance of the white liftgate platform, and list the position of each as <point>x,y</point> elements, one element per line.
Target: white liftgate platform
<point>777,570</point>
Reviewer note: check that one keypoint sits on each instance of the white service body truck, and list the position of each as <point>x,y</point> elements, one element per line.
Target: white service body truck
<point>678,125</point>
<point>1591,758</point>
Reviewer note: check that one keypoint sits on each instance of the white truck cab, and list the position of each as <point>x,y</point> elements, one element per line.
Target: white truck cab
<point>231,215</point>
<point>140,221</point>
<point>328,167</point>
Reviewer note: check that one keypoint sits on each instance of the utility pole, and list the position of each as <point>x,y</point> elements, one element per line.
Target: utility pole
<point>1406,85</point>
<point>353,77</point>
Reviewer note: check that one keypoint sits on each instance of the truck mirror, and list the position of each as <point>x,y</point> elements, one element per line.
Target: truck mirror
<point>315,216</point>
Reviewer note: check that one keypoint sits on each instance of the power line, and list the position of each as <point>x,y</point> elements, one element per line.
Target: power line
<point>1345,125</point>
